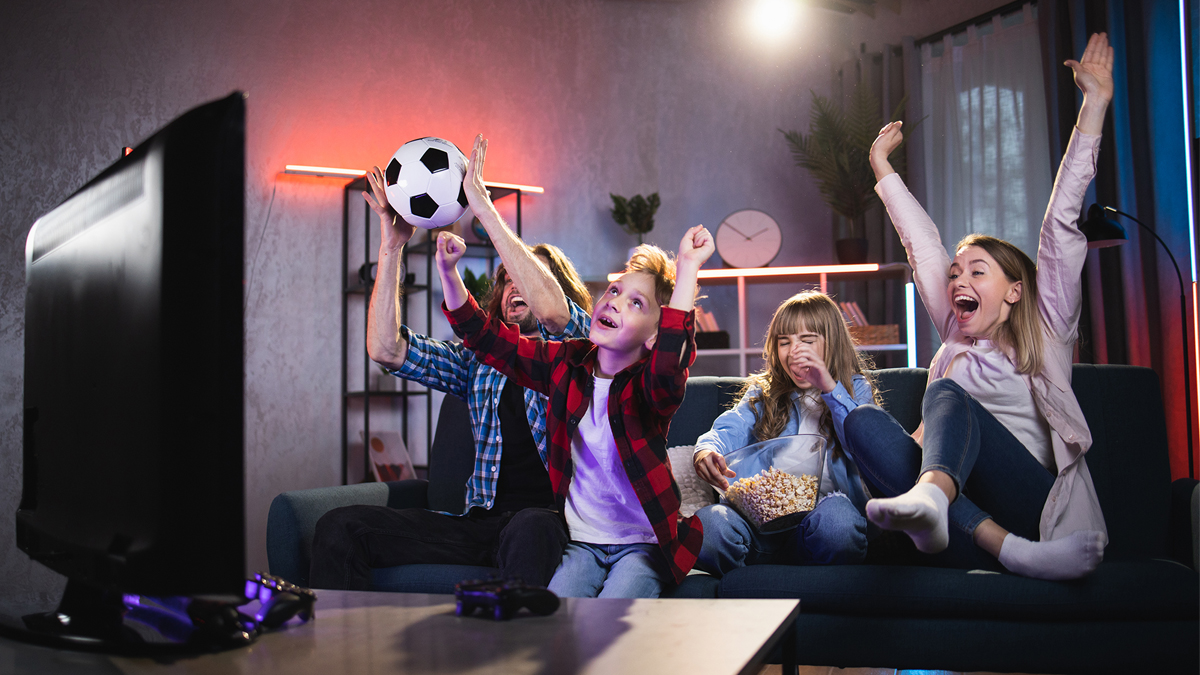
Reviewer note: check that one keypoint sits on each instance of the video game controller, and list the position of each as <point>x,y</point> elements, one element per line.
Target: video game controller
<point>503,599</point>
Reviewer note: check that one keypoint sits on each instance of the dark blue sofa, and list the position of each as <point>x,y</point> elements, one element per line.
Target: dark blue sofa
<point>1138,610</point>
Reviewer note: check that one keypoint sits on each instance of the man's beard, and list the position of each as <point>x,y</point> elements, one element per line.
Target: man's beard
<point>528,325</point>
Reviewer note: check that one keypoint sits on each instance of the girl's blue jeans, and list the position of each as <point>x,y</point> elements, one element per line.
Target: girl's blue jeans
<point>611,571</point>
<point>990,467</point>
<point>834,533</point>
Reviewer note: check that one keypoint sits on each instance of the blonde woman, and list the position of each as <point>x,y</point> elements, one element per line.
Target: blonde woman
<point>995,476</point>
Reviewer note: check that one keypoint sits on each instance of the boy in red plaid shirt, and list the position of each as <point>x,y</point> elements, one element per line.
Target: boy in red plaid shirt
<point>611,398</point>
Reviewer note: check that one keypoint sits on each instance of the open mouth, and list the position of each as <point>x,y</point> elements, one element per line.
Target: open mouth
<point>606,322</point>
<point>516,302</point>
<point>966,306</point>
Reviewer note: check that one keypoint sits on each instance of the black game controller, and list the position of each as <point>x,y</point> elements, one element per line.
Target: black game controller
<point>503,599</point>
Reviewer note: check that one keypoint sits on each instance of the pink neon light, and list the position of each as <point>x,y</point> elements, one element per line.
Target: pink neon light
<point>777,271</point>
<point>304,170</point>
<point>514,186</point>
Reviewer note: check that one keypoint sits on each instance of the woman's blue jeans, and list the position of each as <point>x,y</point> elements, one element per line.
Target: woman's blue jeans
<point>835,533</point>
<point>990,467</point>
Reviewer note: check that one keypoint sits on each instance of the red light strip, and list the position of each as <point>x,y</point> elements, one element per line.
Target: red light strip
<point>1196,348</point>
<point>303,170</point>
<point>513,186</point>
<point>776,271</point>
<point>333,172</point>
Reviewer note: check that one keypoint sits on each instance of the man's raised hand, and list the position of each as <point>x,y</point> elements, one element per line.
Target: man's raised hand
<point>394,231</point>
<point>473,187</point>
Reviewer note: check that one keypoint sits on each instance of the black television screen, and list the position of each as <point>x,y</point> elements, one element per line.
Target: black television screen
<point>133,415</point>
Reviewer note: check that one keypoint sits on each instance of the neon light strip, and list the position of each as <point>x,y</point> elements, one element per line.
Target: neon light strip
<point>513,186</point>
<point>1187,138</point>
<point>303,170</point>
<point>1187,163</point>
<point>910,315</point>
<point>786,271</point>
<point>775,271</point>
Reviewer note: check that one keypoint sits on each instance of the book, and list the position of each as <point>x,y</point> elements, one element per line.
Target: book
<point>705,321</point>
<point>389,457</point>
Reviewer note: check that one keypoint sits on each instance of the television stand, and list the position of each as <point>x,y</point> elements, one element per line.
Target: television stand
<point>91,619</point>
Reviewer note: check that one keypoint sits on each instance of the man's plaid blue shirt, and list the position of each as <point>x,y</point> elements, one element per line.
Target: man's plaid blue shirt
<point>449,367</point>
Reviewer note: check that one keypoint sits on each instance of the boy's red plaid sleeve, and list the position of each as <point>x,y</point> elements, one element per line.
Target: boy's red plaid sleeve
<point>501,346</point>
<point>674,351</point>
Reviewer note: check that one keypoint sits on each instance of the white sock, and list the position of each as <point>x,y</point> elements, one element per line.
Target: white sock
<point>1071,557</point>
<point>920,513</point>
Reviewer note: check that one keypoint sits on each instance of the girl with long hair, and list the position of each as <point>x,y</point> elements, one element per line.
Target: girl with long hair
<point>1002,438</point>
<point>812,378</point>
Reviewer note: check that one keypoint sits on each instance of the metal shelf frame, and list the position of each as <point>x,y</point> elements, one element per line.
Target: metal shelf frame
<point>426,248</point>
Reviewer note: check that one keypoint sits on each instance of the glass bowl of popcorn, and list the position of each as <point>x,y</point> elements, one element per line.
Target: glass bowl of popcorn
<point>778,481</point>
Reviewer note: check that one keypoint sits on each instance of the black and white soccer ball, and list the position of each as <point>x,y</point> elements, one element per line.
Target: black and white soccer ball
<point>424,182</point>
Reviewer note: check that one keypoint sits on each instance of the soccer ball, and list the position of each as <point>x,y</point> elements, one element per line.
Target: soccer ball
<point>424,182</point>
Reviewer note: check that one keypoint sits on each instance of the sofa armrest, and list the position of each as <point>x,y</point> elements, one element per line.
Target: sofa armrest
<point>408,494</point>
<point>1184,532</point>
<point>293,518</point>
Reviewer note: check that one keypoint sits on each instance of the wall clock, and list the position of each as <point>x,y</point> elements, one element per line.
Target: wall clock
<point>748,238</point>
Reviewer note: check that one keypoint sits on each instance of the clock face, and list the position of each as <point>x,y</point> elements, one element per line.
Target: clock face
<point>748,238</point>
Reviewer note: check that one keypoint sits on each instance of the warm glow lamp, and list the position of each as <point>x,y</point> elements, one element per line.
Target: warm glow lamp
<point>1102,232</point>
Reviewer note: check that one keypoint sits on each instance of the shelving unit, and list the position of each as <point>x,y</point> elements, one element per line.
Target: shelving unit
<point>807,275</point>
<point>422,246</point>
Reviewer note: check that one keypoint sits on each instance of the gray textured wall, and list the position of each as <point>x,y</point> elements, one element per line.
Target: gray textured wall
<point>583,97</point>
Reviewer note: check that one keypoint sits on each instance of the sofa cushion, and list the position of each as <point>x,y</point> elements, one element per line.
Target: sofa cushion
<point>1149,589</point>
<point>695,585</point>
<point>1128,458</point>
<point>452,457</point>
<point>704,399</point>
<point>427,578</point>
<point>901,390</point>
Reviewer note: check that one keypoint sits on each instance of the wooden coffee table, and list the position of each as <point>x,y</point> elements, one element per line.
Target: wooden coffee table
<point>364,633</point>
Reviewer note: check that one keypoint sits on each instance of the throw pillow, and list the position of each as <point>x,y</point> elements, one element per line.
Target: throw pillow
<point>695,492</point>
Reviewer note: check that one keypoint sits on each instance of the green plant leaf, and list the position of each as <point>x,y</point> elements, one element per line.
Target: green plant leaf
<point>479,286</point>
<point>636,214</point>
<point>836,151</point>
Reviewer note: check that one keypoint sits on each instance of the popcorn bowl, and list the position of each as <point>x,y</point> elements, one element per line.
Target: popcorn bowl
<point>778,481</point>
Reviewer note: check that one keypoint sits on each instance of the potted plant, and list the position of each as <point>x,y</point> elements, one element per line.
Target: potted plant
<point>636,214</point>
<point>478,286</point>
<point>837,153</point>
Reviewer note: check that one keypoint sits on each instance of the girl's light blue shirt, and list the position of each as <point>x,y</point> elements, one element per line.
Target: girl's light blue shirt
<point>734,429</point>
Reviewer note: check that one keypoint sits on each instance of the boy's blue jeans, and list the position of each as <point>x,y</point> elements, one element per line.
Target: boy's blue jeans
<point>834,533</point>
<point>611,571</point>
<point>991,468</point>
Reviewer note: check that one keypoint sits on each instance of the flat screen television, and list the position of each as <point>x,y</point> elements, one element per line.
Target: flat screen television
<point>133,417</point>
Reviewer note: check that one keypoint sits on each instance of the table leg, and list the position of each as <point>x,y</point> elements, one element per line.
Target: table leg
<point>788,648</point>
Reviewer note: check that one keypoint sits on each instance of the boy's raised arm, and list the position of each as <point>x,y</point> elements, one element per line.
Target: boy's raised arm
<point>674,349</point>
<point>694,250</point>
<point>450,249</point>
<point>495,343</point>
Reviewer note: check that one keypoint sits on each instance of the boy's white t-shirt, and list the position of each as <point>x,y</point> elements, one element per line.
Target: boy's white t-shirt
<point>602,507</point>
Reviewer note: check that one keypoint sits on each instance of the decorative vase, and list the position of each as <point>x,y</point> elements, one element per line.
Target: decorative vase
<point>851,251</point>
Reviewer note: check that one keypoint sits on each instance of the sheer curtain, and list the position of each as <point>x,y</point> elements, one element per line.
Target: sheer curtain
<point>985,136</point>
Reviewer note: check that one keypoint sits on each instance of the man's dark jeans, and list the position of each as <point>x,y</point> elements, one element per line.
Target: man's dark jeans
<point>350,541</point>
